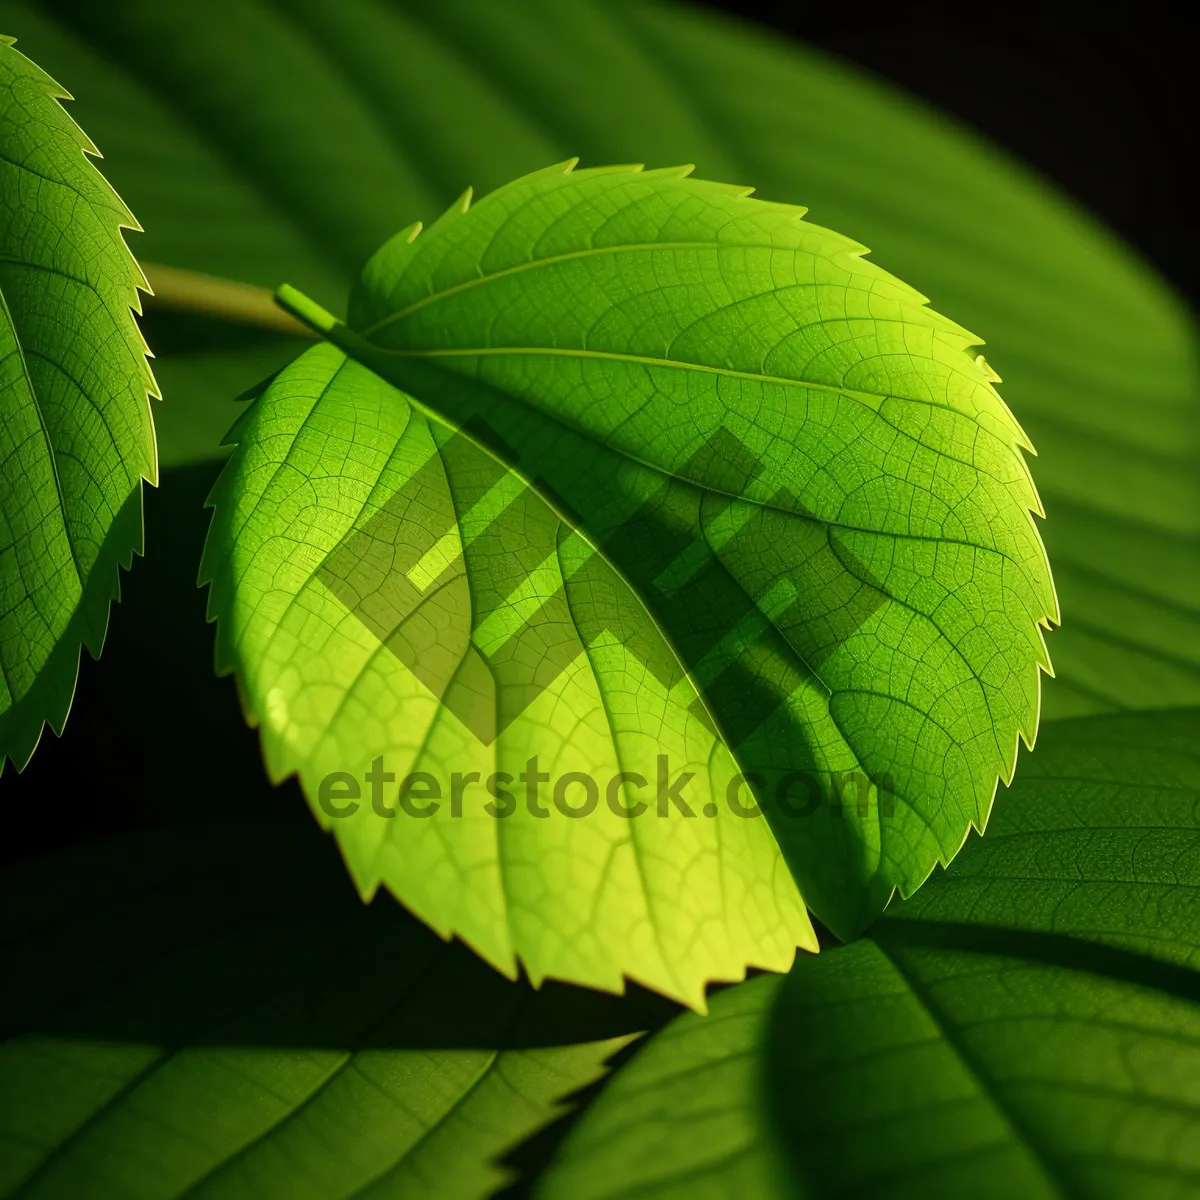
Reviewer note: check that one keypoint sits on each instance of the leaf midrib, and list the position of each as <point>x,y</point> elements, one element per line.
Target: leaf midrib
<point>974,1069</point>
<point>871,399</point>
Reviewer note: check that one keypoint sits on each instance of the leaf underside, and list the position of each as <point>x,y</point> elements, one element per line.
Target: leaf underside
<point>357,635</point>
<point>77,436</point>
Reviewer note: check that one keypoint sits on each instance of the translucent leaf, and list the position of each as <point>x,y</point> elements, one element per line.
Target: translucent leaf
<point>805,475</point>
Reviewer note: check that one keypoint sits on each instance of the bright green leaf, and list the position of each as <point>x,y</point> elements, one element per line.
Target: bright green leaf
<point>1028,1025</point>
<point>77,436</point>
<point>211,1012</point>
<point>363,560</point>
<point>804,473</point>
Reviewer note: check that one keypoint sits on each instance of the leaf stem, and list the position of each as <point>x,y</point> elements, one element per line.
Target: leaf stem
<point>226,299</point>
<point>324,324</point>
<point>308,312</point>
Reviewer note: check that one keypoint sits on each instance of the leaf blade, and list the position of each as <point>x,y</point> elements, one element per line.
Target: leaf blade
<point>558,308</point>
<point>78,434</point>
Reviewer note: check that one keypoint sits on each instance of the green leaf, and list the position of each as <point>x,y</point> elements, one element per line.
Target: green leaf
<point>1028,1025</point>
<point>212,1012</point>
<point>364,558</point>
<point>803,473</point>
<point>77,435</point>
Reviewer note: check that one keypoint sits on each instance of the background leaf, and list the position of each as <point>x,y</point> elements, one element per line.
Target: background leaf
<point>363,558</point>
<point>213,1012</point>
<point>275,141</point>
<point>1024,1026</point>
<point>77,436</point>
<point>309,141</point>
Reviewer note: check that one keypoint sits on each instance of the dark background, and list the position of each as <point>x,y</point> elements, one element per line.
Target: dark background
<point>1099,97</point>
<point>1094,96</point>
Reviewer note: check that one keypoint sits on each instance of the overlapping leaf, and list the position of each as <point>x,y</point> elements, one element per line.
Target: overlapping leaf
<point>77,438</point>
<point>212,1012</point>
<point>1028,1025</point>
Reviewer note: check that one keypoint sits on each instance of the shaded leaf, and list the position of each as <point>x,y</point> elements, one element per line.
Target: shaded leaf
<point>77,436</point>
<point>1024,1026</point>
<point>213,1012</point>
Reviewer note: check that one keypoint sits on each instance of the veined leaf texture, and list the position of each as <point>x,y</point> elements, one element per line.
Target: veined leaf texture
<point>77,438</point>
<point>800,473</point>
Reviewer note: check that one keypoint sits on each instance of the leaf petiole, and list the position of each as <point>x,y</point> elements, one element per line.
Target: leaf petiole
<point>307,311</point>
